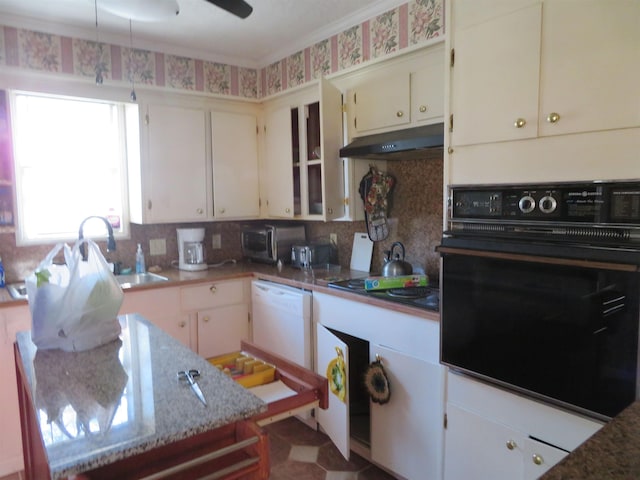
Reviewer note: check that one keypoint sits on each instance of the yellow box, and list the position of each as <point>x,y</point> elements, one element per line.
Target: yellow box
<point>257,372</point>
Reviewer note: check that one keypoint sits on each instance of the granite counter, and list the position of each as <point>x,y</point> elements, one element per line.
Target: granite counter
<point>612,453</point>
<point>97,407</point>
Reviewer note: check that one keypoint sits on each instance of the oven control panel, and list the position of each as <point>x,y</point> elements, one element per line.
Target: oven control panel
<point>600,203</point>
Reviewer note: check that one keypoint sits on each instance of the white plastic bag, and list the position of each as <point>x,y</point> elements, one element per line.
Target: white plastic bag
<point>74,307</point>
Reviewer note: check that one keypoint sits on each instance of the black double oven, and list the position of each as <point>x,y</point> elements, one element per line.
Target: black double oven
<point>540,291</point>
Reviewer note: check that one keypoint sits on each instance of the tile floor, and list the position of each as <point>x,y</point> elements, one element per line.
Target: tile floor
<point>298,452</point>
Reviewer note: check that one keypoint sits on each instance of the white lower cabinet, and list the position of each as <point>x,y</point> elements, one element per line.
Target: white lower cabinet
<point>13,320</point>
<point>221,312</point>
<point>161,306</point>
<point>493,434</point>
<point>405,434</point>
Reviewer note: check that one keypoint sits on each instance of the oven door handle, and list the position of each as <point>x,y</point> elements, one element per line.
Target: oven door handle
<point>622,267</point>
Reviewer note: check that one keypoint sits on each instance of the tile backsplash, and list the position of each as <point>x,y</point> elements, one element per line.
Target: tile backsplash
<point>415,219</point>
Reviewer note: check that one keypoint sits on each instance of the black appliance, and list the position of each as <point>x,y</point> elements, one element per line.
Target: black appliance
<point>398,144</point>
<point>541,291</point>
<point>427,298</point>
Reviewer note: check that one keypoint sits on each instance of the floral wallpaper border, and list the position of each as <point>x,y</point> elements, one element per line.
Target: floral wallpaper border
<point>408,25</point>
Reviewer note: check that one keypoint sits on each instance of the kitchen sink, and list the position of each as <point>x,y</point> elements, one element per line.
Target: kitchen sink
<point>133,279</point>
<point>18,291</point>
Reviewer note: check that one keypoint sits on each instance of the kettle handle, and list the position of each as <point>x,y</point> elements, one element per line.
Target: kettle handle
<point>393,246</point>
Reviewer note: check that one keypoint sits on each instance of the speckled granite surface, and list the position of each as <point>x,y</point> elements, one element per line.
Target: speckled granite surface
<point>612,453</point>
<point>112,402</point>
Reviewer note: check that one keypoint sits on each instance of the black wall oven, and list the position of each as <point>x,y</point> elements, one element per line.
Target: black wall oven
<point>540,291</point>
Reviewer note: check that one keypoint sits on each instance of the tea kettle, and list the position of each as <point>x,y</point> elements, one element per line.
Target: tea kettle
<point>395,265</point>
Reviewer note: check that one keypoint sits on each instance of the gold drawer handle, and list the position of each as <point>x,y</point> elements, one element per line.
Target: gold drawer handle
<point>206,318</point>
<point>199,211</point>
<point>182,324</point>
<point>213,289</point>
<point>511,444</point>
<point>399,113</point>
<point>520,122</point>
<point>537,459</point>
<point>423,108</point>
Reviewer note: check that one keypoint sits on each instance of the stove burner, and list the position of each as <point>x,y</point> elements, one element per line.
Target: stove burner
<point>356,283</point>
<point>410,292</point>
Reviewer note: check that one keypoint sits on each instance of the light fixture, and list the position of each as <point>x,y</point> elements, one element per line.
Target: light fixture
<point>142,10</point>
<point>132,96</point>
<point>98,68</point>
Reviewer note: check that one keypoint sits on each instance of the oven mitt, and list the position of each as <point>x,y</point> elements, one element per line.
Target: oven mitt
<point>377,383</point>
<point>375,190</point>
<point>337,375</point>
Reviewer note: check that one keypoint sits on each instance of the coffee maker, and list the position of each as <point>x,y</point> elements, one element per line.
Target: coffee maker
<point>191,249</point>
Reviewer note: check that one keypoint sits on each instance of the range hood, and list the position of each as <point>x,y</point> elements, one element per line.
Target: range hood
<point>410,143</point>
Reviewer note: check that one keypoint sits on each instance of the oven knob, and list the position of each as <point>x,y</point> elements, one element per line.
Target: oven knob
<point>527,204</point>
<point>548,204</point>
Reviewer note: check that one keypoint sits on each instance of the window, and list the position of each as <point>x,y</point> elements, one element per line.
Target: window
<point>70,159</point>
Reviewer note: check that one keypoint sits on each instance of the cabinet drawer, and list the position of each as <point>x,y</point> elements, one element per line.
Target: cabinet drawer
<point>213,294</point>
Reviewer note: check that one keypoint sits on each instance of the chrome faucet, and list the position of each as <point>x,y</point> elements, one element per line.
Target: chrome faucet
<point>111,241</point>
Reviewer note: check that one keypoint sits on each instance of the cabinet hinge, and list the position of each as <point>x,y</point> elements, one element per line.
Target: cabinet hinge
<point>452,57</point>
<point>149,204</point>
<point>257,129</point>
<point>446,421</point>
<point>354,97</point>
<point>451,122</point>
<point>345,201</point>
<point>344,108</point>
<point>355,122</point>
<point>146,119</point>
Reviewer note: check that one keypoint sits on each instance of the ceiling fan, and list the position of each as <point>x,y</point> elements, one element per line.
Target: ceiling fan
<point>157,10</point>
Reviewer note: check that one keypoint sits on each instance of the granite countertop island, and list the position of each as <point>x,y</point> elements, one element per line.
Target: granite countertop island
<point>95,408</point>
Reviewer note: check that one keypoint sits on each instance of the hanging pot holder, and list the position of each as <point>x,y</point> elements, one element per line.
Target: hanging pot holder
<point>375,190</point>
<point>377,382</point>
<point>337,376</point>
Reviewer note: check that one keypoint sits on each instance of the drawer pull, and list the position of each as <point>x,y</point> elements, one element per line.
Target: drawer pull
<point>205,318</point>
<point>537,459</point>
<point>213,289</point>
<point>399,114</point>
<point>423,108</point>
<point>182,324</point>
<point>511,444</point>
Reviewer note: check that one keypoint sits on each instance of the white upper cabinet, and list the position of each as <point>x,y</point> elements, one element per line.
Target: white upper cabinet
<point>169,183</point>
<point>234,147</point>
<point>401,93</point>
<point>192,163</point>
<point>303,173</point>
<point>542,68</point>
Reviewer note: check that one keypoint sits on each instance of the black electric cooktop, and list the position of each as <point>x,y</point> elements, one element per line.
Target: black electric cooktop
<point>427,298</point>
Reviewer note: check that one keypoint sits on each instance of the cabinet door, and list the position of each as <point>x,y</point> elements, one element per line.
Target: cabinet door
<point>220,330</point>
<point>494,78</point>
<point>161,307</point>
<point>381,103</point>
<point>335,419</point>
<point>427,95</point>
<point>590,66</point>
<point>278,141</point>
<point>480,449</point>
<point>234,144</point>
<point>406,432</point>
<point>13,320</point>
<point>176,164</point>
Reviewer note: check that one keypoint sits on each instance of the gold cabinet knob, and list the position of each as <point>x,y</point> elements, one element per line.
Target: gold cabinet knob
<point>399,113</point>
<point>199,211</point>
<point>330,211</point>
<point>213,289</point>
<point>422,108</point>
<point>537,459</point>
<point>450,150</point>
<point>222,210</point>
<point>182,324</point>
<point>553,117</point>
<point>205,318</point>
<point>511,444</point>
<point>520,122</point>
<point>287,210</point>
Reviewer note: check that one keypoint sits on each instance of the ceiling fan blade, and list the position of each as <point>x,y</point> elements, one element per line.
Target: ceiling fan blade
<point>239,8</point>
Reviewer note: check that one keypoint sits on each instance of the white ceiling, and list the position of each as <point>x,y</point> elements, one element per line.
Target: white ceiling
<point>274,30</point>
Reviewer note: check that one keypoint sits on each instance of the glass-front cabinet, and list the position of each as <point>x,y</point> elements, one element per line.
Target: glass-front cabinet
<point>6,166</point>
<point>303,171</point>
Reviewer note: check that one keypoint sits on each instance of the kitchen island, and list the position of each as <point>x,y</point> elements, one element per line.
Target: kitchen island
<point>119,410</point>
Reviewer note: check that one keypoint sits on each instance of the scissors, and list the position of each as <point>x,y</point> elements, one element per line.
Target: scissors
<point>190,376</point>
